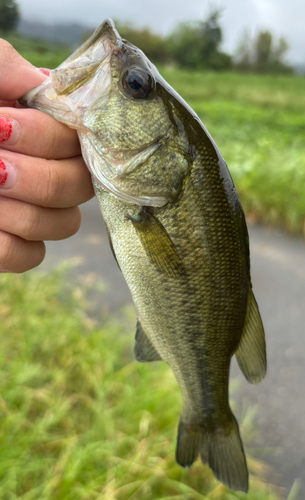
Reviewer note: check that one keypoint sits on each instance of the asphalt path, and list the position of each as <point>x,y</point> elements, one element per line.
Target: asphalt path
<point>278,275</point>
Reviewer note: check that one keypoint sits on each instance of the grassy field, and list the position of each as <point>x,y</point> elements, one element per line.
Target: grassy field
<point>80,418</point>
<point>39,53</point>
<point>258,122</point>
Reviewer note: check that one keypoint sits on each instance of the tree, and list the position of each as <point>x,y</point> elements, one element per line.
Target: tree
<point>243,55</point>
<point>262,53</point>
<point>152,44</point>
<point>9,15</point>
<point>196,43</point>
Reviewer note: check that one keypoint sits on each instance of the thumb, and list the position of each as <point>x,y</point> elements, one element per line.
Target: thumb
<point>17,76</point>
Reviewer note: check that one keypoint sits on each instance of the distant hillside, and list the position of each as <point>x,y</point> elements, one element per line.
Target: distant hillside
<point>68,34</point>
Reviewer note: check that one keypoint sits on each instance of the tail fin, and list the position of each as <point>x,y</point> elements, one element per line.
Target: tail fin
<point>223,451</point>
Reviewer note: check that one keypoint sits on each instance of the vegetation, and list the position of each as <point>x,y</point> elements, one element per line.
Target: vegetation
<point>38,52</point>
<point>9,15</point>
<point>152,44</point>
<point>258,123</point>
<point>197,44</point>
<point>256,120</point>
<point>80,419</point>
<point>262,54</point>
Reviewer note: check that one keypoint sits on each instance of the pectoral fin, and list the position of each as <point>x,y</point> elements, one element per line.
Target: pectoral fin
<point>157,244</point>
<point>251,352</point>
<point>144,349</point>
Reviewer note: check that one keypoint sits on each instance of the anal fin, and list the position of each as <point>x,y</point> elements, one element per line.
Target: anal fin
<point>251,351</point>
<point>144,349</point>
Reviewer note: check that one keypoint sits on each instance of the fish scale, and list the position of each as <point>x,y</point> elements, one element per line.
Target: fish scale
<point>177,230</point>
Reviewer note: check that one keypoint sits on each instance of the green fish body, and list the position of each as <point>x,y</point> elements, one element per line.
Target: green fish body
<point>177,231</point>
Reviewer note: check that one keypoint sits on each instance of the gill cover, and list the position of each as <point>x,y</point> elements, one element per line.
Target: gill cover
<point>78,92</point>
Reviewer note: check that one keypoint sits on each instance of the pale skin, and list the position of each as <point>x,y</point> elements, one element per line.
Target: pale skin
<point>39,201</point>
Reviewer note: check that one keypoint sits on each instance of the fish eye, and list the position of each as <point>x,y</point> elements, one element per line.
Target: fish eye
<point>137,83</point>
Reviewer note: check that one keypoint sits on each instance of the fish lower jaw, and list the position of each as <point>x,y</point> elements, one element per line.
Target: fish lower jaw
<point>153,201</point>
<point>111,174</point>
<point>112,179</point>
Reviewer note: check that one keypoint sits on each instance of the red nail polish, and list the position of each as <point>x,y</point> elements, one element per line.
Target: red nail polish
<point>5,129</point>
<point>8,174</point>
<point>3,173</point>
<point>45,71</point>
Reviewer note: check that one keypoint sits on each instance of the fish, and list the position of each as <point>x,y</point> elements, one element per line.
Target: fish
<point>177,230</point>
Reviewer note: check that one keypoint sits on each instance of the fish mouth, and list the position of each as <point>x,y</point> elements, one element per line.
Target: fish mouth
<point>79,81</point>
<point>82,81</point>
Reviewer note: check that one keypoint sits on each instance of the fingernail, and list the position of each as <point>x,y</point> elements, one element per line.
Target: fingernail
<point>7,174</point>
<point>45,71</point>
<point>9,130</point>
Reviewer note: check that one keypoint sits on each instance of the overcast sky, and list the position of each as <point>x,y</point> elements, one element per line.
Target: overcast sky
<point>282,17</point>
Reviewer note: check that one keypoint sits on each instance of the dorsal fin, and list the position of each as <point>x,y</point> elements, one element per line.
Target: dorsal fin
<point>144,349</point>
<point>251,351</point>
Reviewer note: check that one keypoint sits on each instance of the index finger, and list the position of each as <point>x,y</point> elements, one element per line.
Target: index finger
<point>35,133</point>
<point>38,134</point>
<point>18,76</point>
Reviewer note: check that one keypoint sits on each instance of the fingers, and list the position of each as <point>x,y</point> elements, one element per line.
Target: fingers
<point>8,104</point>
<point>18,255</point>
<point>18,76</point>
<point>49,183</point>
<point>34,223</point>
<point>42,176</point>
<point>36,134</point>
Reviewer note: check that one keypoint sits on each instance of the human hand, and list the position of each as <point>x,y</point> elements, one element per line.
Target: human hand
<point>42,174</point>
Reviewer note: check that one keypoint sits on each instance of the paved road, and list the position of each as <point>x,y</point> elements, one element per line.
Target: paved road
<point>278,272</point>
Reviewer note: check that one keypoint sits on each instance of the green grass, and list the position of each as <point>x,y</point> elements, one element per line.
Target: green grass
<point>80,418</point>
<point>258,122</point>
<point>38,52</point>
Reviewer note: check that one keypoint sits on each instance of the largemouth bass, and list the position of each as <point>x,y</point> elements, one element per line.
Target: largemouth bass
<point>177,231</point>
